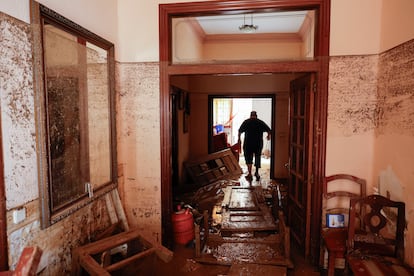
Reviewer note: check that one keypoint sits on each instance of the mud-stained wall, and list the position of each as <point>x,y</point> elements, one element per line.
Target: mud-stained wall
<point>58,240</point>
<point>395,133</point>
<point>19,147</point>
<point>371,125</point>
<point>16,87</point>
<point>352,115</point>
<point>138,126</point>
<point>396,90</point>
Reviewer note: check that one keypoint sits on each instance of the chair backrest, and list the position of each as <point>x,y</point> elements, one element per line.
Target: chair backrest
<point>220,142</point>
<point>382,227</point>
<point>338,189</point>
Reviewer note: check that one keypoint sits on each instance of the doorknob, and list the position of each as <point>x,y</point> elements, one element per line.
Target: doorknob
<point>287,166</point>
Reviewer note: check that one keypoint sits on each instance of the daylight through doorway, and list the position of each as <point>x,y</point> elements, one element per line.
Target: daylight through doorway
<point>229,113</point>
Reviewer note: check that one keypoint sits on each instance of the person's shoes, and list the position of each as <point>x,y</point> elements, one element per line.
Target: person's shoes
<point>249,177</point>
<point>257,176</point>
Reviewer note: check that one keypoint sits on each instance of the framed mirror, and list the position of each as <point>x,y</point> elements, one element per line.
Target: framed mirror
<point>74,96</point>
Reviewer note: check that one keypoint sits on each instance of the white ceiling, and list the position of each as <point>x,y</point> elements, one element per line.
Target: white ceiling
<point>277,22</point>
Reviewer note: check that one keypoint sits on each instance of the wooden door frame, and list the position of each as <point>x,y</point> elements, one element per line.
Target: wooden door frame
<point>3,211</point>
<point>318,65</point>
<point>303,175</point>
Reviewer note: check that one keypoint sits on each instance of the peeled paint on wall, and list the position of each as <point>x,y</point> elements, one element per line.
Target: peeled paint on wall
<point>396,90</point>
<point>138,124</point>
<point>17,107</point>
<point>352,107</point>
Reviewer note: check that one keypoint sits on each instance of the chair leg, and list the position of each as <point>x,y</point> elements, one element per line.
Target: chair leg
<point>331,264</point>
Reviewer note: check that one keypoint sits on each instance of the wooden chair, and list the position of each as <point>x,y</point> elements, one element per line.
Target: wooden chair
<point>220,143</point>
<point>338,190</point>
<point>376,237</point>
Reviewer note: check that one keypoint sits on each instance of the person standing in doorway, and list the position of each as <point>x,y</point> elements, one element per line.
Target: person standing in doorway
<point>253,129</point>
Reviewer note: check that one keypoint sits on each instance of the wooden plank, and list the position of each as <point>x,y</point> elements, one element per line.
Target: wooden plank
<point>255,269</point>
<point>91,266</point>
<point>242,211</point>
<point>115,209</point>
<point>129,260</point>
<point>239,239</point>
<point>242,199</point>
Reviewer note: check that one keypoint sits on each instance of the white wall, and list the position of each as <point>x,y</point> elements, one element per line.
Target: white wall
<point>369,26</point>
<point>397,24</point>
<point>98,16</point>
<point>355,27</point>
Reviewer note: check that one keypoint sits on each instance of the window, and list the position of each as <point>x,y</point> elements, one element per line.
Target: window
<point>76,122</point>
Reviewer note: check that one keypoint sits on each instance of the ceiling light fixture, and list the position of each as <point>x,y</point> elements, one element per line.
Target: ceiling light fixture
<point>248,28</point>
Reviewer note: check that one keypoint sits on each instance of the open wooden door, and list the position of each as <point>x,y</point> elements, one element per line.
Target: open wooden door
<point>300,159</point>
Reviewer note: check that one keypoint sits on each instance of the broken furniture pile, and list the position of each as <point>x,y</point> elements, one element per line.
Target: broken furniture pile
<point>237,224</point>
<point>118,250</point>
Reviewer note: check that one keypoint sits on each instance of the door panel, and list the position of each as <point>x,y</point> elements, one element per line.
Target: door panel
<point>300,159</point>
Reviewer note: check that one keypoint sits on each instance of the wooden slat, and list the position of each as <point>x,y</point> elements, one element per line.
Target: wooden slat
<point>129,260</point>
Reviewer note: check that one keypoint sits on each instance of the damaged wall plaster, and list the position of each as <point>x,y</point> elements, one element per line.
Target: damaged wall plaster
<point>17,105</point>
<point>396,90</point>
<point>395,133</point>
<point>138,123</point>
<point>18,126</point>
<point>352,107</point>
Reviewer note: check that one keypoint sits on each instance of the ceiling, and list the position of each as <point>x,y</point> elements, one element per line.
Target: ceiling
<point>276,22</point>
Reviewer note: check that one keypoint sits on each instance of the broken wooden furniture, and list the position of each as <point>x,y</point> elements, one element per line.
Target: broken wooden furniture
<point>213,167</point>
<point>127,253</point>
<point>219,142</point>
<point>28,263</point>
<point>338,189</point>
<point>378,247</point>
<point>244,209</point>
<point>247,233</point>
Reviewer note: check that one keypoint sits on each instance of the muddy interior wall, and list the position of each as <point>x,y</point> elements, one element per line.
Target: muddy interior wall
<point>19,136</point>
<point>17,107</point>
<point>395,133</point>
<point>138,126</point>
<point>370,93</point>
<point>355,40</point>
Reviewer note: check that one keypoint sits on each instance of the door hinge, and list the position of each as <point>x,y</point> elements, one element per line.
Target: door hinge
<point>315,86</point>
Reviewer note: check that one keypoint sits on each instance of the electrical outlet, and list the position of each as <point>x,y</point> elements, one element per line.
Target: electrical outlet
<point>19,215</point>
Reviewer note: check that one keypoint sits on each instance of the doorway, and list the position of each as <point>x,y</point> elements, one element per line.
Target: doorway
<point>318,65</point>
<point>227,113</point>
